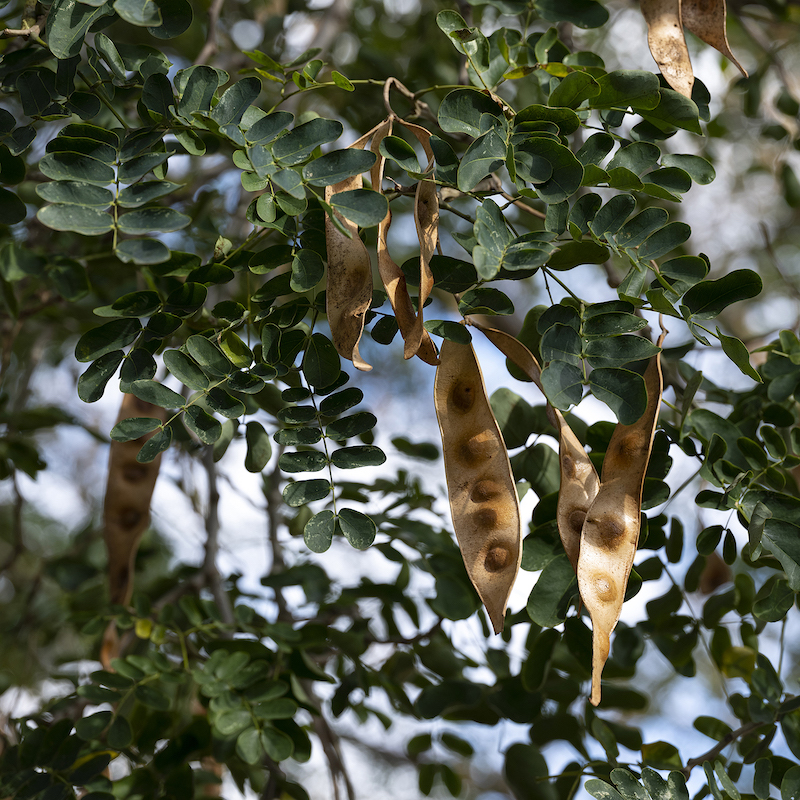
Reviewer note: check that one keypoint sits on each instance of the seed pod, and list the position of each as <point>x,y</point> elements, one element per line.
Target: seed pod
<point>483,495</point>
<point>349,288</point>
<point>417,341</point>
<point>668,44</point>
<point>610,532</point>
<point>579,481</point>
<point>706,20</point>
<point>126,511</point>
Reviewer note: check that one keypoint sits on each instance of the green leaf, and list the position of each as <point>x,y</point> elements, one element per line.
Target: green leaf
<point>462,109</point>
<point>737,352</point>
<point>119,735</point>
<point>622,88</point>
<point>203,425</point>
<point>698,168</point>
<point>106,338</point>
<point>350,426</point>
<point>790,785</point>
<point>401,152</point>
<point>259,448</point>
<point>674,110</point>
<point>223,403</point>
<point>663,241</point>
<point>157,394</point>
<point>622,391</point>
<point>177,17</point>
<point>337,166</point>
<point>574,88</point>
<point>358,528</point>
<point>321,362</point>
<point>572,254</point>
<point>583,13</point>
<point>145,192</point>
<point>12,209</point>
<point>156,444</point>
<point>208,356</point>
<point>75,193</point>
<point>129,429</point>
<point>448,330</point>
<point>552,593</point>
<point>637,229</point>
<point>485,300</point>
<point>267,128</point>
<point>142,13</point>
<point>563,384</point>
<point>80,219</point>
<point>185,370</point>
<point>708,299</point>
<point>142,251</point>
<point>783,541</point>
<point>92,382</point>
<point>249,747</point>
<point>663,755</point>
<point>318,531</point>
<point>617,351</point>
<point>363,207</point>
<point>567,170</point>
<point>341,401</point>
<point>638,157</point>
<point>277,744</point>
<point>298,144</point>
<point>153,218</point>
<point>304,461</point>
<point>92,727</point>
<point>483,157</point>
<point>358,456</point>
<point>299,493</point>
<point>67,24</point>
<point>611,217</point>
<point>308,270</point>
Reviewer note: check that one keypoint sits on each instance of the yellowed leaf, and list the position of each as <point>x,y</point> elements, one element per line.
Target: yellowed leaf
<point>667,43</point>
<point>706,19</point>
<point>483,495</point>
<point>610,531</point>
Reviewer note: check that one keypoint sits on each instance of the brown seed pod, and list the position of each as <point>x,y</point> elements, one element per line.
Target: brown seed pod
<point>126,511</point>
<point>668,44</point>
<point>417,340</point>
<point>579,481</point>
<point>706,19</point>
<point>610,532</point>
<point>483,495</point>
<point>349,288</point>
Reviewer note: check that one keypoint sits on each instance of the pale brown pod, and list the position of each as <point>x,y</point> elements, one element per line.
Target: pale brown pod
<point>610,533</point>
<point>706,19</point>
<point>668,44</point>
<point>480,484</point>
<point>426,218</point>
<point>349,288</point>
<point>417,341</point>
<point>126,510</point>
<point>579,482</point>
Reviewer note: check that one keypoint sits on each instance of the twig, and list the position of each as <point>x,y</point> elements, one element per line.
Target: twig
<point>729,738</point>
<point>211,47</point>
<point>420,108</point>
<point>790,285</point>
<point>212,542</point>
<point>523,206</point>
<point>330,746</point>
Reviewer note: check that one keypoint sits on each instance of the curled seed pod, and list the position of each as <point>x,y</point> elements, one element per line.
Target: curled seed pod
<point>349,288</point>
<point>610,532</point>
<point>426,219</point>
<point>126,510</point>
<point>579,481</point>
<point>417,341</point>
<point>706,19</point>
<point>483,496</point>
<point>668,44</point>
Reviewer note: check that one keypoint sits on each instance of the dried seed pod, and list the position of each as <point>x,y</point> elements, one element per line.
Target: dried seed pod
<point>349,288</point>
<point>126,511</point>
<point>426,218</point>
<point>668,44</point>
<point>579,481</point>
<point>417,341</point>
<point>706,19</point>
<point>610,532</point>
<point>483,496</point>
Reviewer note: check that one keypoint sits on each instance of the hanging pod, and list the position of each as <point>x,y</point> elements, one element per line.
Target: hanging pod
<point>417,340</point>
<point>610,533</point>
<point>706,19</point>
<point>126,510</point>
<point>480,484</point>
<point>579,481</point>
<point>667,43</point>
<point>348,293</point>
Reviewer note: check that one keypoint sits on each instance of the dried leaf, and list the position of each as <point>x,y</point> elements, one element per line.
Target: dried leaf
<point>579,481</point>
<point>417,340</point>
<point>706,19</point>
<point>667,43</point>
<point>483,495</point>
<point>610,533</point>
<point>349,288</point>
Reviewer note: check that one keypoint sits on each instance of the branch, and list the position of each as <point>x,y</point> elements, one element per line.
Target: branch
<point>729,738</point>
<point>211,47</point>
<point>523,206</point>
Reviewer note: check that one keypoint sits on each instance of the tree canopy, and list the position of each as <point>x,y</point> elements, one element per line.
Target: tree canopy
<point>247,248</point>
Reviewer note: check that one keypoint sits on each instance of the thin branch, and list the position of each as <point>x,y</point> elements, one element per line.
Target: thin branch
<point>272,494</point>
<point>523,206</point>
<point>211,47</point>
<point>330,746</point>
<point>726,740</point>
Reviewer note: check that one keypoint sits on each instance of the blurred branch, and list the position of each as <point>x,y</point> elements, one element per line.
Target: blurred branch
<point>16,526</point>
<point>211,47</point>
<point>272,495</point>
<point>331,747</point>
<point>726,740</point>
<point>790,285</point>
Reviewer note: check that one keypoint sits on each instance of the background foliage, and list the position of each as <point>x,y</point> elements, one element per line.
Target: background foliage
<point>163,168</point>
